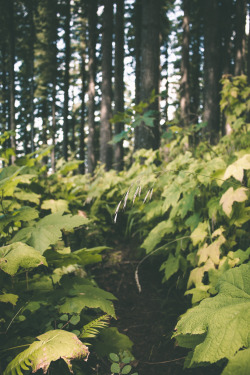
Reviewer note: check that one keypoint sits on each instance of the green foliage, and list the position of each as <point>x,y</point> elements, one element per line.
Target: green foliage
<point>220,324</point>
<point>235,101</point>
<point>45,286</point>
<point>50,346</point>
<point>122,363</point>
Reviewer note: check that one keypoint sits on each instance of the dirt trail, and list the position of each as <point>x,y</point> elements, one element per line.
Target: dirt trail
<point>147,318</point>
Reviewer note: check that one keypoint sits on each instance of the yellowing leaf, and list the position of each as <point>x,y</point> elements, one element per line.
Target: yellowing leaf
<point>231,196</point>
<point>199,234</point>
<point>236,169</point>
<point>212,251</point>
<point>55,205</point>
<point>50,346</point>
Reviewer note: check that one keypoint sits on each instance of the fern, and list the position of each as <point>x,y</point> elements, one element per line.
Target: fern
<point>92,329</point>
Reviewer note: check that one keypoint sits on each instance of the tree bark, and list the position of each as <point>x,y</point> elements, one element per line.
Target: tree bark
<point>106,112</point>
<point>92,26</point>
<point>184,86</point>
<point>119,83</point>
<point>12,77</point>
<point>240,37</point>
<point>146,137</point>
<point>211,113</point>
<point>138,21</point>
<point>66,82</point>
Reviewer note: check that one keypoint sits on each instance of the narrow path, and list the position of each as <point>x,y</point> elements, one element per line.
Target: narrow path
<point>147,318</point>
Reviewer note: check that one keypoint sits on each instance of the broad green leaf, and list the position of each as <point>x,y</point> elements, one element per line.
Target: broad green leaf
<point>170,266</point>
<point>239,364</point>
<point>115,368</point>
<point>172,194</point>
<point>225,318</point>
<point>231,196</point>
<point>126,369</point>
<point>200,233</point>
<point>19,255</point>
<point>157,233</point>
<point>110,340</point>
<point>114,357</point>
<point>55,205</point>
<point>47,231</point>
<point>9,298</point>
<point>87,296</point>
<point>24,213</point>
<point>50,346</point>
<point>28,196</point>
<point>236,169</point>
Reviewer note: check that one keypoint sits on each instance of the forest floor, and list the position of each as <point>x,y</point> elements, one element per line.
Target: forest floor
<point>148,317</point>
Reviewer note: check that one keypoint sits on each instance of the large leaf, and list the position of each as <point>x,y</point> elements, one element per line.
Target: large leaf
<point>236,169</point>
<point>224,320</point>
<point>157,233</point>
<point>48,230</point>
<point>50,346</point>
<point>55,205</point>
<point>86,295</point>
<point>25,213</point>
<point>17,255</point>
<point>231,196</point>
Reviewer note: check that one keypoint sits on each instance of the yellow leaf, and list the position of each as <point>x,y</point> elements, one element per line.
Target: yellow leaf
<point>231,196</point>
<point>236,169</point>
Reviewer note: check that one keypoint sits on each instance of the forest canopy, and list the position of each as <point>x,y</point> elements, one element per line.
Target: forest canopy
<point>69,67</point>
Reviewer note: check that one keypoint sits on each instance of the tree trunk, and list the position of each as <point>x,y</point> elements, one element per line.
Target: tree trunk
<point>119,83</point>
<point>184,87</point>
<point>92,27</point>
<point>146,137</point>
<point>240,37</point>
<point>66,82</point>
<point>211,68</point>
<point>12,77</point>
<point>82,132</point>
<point>106,113</point>
<point>138,21</point>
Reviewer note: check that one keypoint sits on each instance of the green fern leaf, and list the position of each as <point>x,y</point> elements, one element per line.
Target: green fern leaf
<point>50,346</point>
<point>92,329</point>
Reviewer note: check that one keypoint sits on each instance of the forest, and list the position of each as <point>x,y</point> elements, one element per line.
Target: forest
<point>125,187</point>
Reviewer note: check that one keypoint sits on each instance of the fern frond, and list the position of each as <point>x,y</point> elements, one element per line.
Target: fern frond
<point>92,329</point>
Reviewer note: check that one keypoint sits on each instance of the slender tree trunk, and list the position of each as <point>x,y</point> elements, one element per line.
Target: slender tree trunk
<point>82,132</point>
<point>138,21</point>
<point>54,82</point>
<point>119,83</point>
<point>146,137</point>
<point>12,76</point>
<point>240,37</point>
<point>248,49</point>
<point>211,66</point>
<point>92,26</point>
<point>66,82</point>
<point>106,112</point>
<point>184,87</point>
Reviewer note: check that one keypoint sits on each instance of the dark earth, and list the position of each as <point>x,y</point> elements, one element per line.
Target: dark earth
<point>148,317</point>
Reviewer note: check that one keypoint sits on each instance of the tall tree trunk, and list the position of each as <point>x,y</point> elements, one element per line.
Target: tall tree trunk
<point>138,21</point>
<point>119,83</point>
<point>54,82</point>
<point>82,132</point>
<point>248,48</point>
<point>92,26</point>
<point>106,112</point>
<point>12,76</point>
<point>184,87</point>
<point>66,82</point>
<point>211,67</point>
<point>240,37</point>
<point>225,16</point>
<point>146,137</point>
